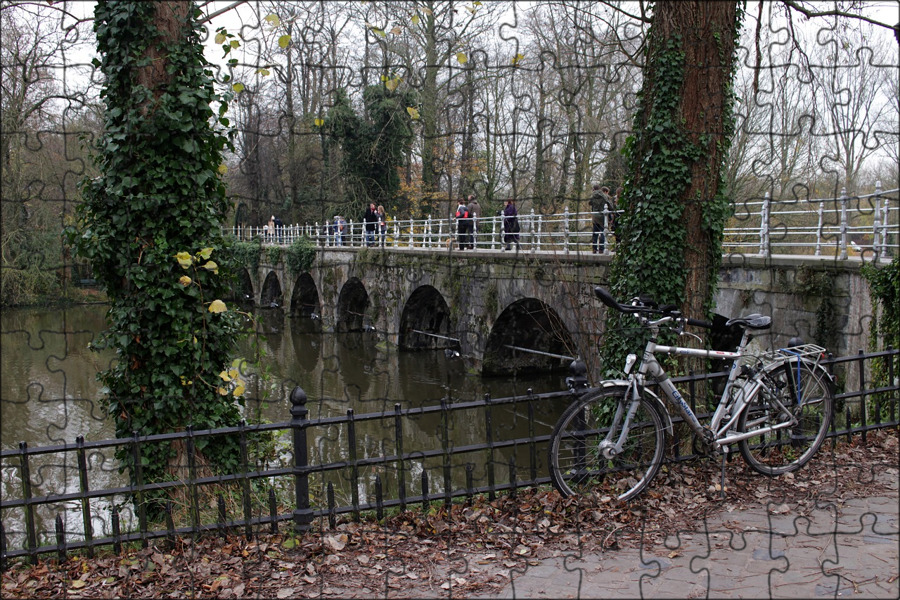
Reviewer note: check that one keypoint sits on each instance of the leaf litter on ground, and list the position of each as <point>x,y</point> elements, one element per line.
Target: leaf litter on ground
<point>456,550</point>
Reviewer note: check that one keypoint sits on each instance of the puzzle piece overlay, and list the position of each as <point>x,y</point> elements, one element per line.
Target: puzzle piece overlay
<point>806,108</point>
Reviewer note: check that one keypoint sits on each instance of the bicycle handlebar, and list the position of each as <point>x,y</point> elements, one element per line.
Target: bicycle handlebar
<point>607,299</point>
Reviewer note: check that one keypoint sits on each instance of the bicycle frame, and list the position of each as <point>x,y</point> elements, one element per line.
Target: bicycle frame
<point>726,413</point>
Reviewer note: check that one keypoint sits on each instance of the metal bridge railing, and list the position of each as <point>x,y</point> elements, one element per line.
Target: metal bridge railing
<point>824,227</point>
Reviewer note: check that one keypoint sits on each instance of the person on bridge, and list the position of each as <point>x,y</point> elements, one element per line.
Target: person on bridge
<point>474,210</point>
<point>339,230</point>
<point>511,224</point>
<point>601,208</point>
<point>279,229</point>
<point>371,220</point>
<point>382,224</point>
<point>271,235</point>
<point>463,222</point>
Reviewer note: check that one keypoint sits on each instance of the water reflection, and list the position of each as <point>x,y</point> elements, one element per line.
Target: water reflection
<point>50,395</point>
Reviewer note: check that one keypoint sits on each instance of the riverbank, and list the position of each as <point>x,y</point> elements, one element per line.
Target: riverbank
<point>536,544</point>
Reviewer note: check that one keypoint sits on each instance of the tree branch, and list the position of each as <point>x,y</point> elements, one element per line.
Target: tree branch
<point>809,13</point>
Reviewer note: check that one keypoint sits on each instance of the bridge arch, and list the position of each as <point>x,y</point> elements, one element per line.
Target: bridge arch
<point>243,292</point>
<point>305,300</point>
<point>271,291</point>
<point>527,323</point>
<point>352,304</point>
<point>426,311</point>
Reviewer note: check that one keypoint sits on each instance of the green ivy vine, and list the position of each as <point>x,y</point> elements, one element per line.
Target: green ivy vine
<point>151,226</point>
<point>884,285</point>
<point>299,256</point>
<point>651,233</point>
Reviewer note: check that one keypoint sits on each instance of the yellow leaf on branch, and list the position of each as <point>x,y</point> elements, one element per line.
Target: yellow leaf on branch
<point>184,259</point>
<point>217,306</point>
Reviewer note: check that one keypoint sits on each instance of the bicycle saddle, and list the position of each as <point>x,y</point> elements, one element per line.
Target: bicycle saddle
<point>753,321</point>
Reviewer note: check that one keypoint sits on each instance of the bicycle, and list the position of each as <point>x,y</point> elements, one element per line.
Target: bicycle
<point>776,406</point>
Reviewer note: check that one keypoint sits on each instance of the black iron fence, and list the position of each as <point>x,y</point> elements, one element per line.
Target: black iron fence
<point>317,469</point>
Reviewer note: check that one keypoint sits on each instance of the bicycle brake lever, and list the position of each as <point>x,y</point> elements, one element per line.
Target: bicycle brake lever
<point>681,331</point>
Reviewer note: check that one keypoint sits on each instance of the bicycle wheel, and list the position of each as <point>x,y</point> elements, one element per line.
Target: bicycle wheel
<point>805,390</point>
<point>577,466</point>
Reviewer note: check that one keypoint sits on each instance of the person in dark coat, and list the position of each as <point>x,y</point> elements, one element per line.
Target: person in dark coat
<point>463,222</point>
<point>371,220</point>
<point>474,212</point>
<point>510,224</point>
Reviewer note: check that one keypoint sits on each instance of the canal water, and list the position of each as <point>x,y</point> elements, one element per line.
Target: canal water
<point>50,394</point>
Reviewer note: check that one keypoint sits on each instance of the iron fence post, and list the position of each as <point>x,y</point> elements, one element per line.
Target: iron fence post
<point>299,423</point>
<point>764,226</point>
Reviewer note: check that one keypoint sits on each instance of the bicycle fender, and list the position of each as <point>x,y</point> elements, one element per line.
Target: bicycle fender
<point>649,396</point>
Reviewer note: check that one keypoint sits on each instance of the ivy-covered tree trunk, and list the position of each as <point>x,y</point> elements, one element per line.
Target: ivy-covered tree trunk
<point>151,225</point>
<point>670,236</point>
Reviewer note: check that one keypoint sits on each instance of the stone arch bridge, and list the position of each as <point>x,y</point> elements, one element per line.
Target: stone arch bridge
<point>489,306</point>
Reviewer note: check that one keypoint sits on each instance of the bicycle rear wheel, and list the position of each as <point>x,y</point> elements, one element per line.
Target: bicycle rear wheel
<point>805,390</point>
<point>577,467</point>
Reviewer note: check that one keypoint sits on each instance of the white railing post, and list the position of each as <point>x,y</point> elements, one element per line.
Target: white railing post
<point>540,231</point>
<point>885,243</point>
<point>844,200</point>
<point>566,229</point>
<point>412,234</point>
<point>820,228</point>
<point>876,223</point>
<point>440,232</point>
<point>606,229</point>
<point>428,242</point>
<point>493,233</point>
<point>764,226</point>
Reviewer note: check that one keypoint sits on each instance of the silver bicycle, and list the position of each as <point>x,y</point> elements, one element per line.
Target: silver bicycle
<point>776,406</point>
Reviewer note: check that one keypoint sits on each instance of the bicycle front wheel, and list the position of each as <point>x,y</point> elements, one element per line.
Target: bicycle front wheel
<point>806,391</point>
<point>578,464</point>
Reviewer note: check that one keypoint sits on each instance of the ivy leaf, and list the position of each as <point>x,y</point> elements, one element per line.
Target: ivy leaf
<point>273,20</point>
<point>239,390</point>
<point>391,84</point>
<point>319,122</point>
<point>238,87</point>
<point>205,253</point>
<point>284,41</point>
<point>222,391</point>
<point>211,266</point>
<point>223,168</point>
<point>184,259</point>
<point>221,37</point>
<point>462,58</point>
<point>225,376</point>
<point>185,280</point>
<point>517,58</point>
<point>263,72</point>
<point>235,44</point>
<point>415,19</point>
<point>217,306</point>
<point>413,112</point>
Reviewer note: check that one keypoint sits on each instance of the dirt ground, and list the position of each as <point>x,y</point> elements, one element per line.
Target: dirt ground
<point>460,551</point>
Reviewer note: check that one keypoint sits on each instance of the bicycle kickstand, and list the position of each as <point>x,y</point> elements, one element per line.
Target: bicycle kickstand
<point>722,482</point>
